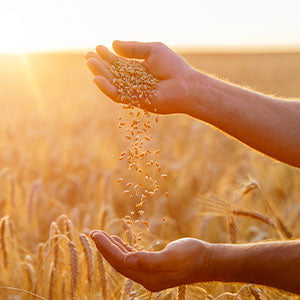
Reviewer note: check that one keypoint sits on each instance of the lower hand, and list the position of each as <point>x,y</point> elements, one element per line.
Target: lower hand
<point>183,261</point>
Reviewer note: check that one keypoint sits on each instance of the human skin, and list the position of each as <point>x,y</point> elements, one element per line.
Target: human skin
<point>188,260</point>
<point>267,124</point>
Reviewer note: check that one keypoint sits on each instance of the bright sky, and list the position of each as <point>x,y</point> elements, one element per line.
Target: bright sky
<point>41,25</point>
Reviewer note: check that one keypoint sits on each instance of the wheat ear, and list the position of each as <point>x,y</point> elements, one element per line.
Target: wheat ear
<point>2,241</point>
<point>102,273</point>
<point>182,292</point>
<point>74,267</point>
<point>127,288</point>
<point>88,256</point>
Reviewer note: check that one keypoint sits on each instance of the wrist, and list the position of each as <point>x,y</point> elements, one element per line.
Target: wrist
<point>211,262</point>
<point>200,101</point>
<point>224,263</point>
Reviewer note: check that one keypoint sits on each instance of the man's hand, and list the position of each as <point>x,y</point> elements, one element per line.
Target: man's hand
<point>182,262</point>
<point>174,89</point>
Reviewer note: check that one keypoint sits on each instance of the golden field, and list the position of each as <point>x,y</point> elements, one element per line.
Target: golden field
<point>59,150</point>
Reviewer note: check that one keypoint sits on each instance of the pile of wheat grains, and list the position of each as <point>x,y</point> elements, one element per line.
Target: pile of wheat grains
<point>136,86</point>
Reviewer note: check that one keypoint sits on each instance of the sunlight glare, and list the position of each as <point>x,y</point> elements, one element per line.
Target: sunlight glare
<point>13,33</point>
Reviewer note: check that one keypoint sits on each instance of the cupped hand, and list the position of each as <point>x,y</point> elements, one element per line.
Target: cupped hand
<point>183,261</point>
<point>173,92</point>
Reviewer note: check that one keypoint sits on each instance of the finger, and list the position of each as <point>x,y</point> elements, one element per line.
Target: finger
<point>91,54</point>
<point>109,250</point>
<point>128,247</point>
<point>106,54</point>
<point>114,241</point>
<point>98,68</point>
<point>106,87</point>
<point>95,231</point>
<point>147,261</point>
<point>132,49</point>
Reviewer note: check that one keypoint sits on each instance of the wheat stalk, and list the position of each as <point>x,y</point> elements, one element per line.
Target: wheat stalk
<point>232,229</point>
<point>54,232</point>
<point>127,288</point>
<point>255,293</point>
<point>102,273</point>
<point>2,240</point>
<point>74,267</point>
<point>22,291</point>
<point>181,294</point>
<point>69,229</point>
<point>52,275</point>
<point>30,274</point>
<point>88,257</point>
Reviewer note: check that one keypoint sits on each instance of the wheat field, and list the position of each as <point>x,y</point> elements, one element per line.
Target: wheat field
<point>59,152</point>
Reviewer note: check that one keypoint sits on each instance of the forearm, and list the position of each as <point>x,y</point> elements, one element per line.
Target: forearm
<point>269,125</point>
<point>275,264</point>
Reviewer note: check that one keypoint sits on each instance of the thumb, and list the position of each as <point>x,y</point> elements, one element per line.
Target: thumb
<point>132,49</point>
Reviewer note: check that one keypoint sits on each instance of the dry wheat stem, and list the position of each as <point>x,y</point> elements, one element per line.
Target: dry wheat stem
<point>3,229</point>
<point>74,267</point>
<point>30,272</point>
<point>127,288</point>
<point>22,291</point>
<point>54,232</point>
<point>254,215</point>
<point>255,293</point>
<point>88,257</point>
<point>102,273</point>
<point>69,229</point>
<point>232,229</point>
<point>52,273</point>
<point>181,292</point>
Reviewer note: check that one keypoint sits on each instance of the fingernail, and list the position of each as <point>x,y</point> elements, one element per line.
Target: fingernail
<point>92,233</point>
<point>132,261</point>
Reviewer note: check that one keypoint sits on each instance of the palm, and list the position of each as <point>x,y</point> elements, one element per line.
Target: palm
<point>160,61</point>
<point>179,263</point>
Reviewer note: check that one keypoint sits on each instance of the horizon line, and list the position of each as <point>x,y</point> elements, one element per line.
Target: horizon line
<point>178,48</point>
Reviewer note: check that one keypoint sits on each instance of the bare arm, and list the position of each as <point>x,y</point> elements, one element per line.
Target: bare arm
<point>275,264</point>
<point>269,125</point>
<point>185,261</point>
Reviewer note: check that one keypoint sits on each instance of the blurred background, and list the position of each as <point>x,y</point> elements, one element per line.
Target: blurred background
<point>60,141</point>
<point>32,25</point>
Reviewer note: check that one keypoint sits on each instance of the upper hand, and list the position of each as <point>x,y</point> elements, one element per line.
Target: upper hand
<point>174,88</point>
<point>182,262</point>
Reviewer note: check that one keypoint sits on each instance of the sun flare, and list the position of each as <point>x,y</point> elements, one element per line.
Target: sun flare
<point>15,36</point>
<point>12,34</point>
<point>33,26</point>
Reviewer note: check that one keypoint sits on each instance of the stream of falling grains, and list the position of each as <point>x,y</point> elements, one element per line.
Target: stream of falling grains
<point>134,85</point>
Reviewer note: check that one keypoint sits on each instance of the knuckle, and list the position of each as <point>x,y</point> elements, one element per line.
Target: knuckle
<point>159,44</point>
